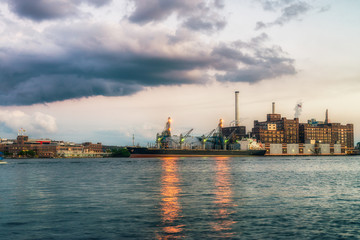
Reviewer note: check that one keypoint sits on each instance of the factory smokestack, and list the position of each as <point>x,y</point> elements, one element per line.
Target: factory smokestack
<point>273,108</point>
<point>327,117</point>
<point>237,121</point>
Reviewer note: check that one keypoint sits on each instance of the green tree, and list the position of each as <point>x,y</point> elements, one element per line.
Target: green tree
<point>120,152</point>
<point>27,153</point>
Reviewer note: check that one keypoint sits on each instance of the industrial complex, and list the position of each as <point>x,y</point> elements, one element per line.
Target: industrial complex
<point>282,136</point>
<point>277,135</point>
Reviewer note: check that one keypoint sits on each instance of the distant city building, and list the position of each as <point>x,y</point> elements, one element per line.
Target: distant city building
<point>46,148</point>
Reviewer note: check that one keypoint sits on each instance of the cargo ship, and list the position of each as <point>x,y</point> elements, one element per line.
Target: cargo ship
<point>214,144</point>
<point>144,152</point>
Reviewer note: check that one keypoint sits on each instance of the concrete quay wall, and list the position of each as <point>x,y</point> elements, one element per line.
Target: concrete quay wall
<point>298,149</point>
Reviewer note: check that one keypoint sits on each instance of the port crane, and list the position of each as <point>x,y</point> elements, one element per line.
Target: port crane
<point>226,139</point>
<point>204,138</point>
<point>183,137</point>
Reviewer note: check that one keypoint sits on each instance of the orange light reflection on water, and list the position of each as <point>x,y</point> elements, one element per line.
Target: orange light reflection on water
<point>170,206</point>
<point>223,198</point>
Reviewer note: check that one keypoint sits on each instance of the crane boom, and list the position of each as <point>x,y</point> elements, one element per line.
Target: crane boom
<point>183,137</point>
<point>229,137</point>
<point>188,133</point>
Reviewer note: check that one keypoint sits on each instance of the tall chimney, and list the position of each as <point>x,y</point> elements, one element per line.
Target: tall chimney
<point>237,121</point>
<point>273,108</point>
<point>326,117</point>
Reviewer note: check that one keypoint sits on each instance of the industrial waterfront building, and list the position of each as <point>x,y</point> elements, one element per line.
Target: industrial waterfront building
<point>276,129</point>
<point>330,133</point>
<point>288,136</point>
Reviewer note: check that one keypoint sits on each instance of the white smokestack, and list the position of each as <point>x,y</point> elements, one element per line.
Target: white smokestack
<point>237,121</point>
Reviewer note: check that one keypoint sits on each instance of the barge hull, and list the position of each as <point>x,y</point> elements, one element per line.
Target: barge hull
<point>140,152</point>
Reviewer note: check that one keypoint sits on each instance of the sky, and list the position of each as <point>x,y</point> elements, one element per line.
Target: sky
<point>105,70</point>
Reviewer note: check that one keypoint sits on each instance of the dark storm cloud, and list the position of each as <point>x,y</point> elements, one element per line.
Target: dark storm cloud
<point>86,67</point>
<point>251,61</point>
<point>39,10</point>
<point>197,15</point>
<point>50,88</point>
<point>39,79</point>
<point>290,10</point>
<point>91,60</point>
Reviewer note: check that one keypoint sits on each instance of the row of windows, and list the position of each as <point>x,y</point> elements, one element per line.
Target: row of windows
<point>321,130</point>
<point>273,140</point>
<point>273,135</point>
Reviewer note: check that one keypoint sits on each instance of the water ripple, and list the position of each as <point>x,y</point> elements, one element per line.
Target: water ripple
<point>177,198</point>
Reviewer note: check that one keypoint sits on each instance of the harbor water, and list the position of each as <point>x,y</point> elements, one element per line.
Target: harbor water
<point>181,198</point>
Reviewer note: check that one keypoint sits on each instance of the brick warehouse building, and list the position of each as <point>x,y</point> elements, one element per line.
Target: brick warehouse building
<point>330,133</point>
<point>277,129</point>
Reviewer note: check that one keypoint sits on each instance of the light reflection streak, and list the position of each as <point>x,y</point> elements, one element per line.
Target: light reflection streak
<point>170,206</point>
<point>223,199</point>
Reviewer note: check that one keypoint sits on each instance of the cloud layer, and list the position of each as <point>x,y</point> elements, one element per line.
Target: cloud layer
<point>252,61</point>
<point>290,10</point>
<point>39,10</point>
<point>74,59</point>
<point>197,15</point>
<point>37,123</point>
<point>98,60</point>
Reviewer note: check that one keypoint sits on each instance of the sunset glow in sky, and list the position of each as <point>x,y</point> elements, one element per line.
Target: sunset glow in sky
<point>103,70</point>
